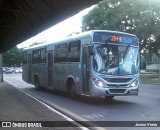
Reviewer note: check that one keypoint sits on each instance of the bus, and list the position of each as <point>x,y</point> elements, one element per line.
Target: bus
<point>97,63</point>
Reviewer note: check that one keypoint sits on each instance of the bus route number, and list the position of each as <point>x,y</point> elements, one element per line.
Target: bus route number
<point>115,39</point>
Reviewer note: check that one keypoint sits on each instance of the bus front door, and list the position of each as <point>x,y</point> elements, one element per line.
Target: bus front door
<point>85,71</point>
<point>50,68</point>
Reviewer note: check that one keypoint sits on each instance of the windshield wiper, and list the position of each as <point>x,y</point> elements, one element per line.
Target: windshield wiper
<point>103,71</point>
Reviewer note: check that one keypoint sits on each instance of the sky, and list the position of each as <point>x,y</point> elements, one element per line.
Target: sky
<point>60,30</point>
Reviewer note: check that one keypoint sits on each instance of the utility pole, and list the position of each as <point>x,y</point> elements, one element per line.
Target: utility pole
<point>1,67</point>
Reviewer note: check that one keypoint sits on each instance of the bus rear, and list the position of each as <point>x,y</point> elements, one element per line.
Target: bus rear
<point>114,64</point>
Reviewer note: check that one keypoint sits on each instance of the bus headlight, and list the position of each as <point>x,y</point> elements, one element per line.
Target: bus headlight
<point>134,83</point>
<point>98,82</point>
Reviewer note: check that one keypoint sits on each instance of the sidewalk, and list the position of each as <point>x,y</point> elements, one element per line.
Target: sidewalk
<point>146,72</point>
<point>149,77</point>
<point>17,106</point>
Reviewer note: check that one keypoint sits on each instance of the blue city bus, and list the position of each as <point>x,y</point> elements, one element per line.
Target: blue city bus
<point>97,63</point>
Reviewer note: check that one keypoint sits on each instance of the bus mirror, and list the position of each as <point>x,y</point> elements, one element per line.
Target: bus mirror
<point>90,50</point>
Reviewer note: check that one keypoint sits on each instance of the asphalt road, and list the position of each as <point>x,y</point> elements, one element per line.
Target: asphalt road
<point>18,110</point>
<point>144,107</point>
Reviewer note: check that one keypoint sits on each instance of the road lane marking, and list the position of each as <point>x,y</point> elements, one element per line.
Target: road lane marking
<point>93,116</point>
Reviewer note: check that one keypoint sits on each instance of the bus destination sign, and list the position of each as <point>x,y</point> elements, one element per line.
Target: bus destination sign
<point>115,38</point>
<point>120,38</point>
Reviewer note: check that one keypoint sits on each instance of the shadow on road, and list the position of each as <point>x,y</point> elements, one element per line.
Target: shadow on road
<point>102,101</point>
<point>83,99</point>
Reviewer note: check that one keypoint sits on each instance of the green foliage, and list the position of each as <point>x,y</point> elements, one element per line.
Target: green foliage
<point>139,17</point>
<point>12,57</point>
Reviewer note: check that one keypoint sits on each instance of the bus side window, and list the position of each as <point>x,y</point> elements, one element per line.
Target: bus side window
<point>39,56</point>
<point>35,55</point>
<point>61,53</point>
<point>74,51</point>
<point>24,58</point>
<point>43,55</point>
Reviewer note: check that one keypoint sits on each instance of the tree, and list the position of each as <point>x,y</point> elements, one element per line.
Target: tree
<point>139,17</point>
<point>12,57</point>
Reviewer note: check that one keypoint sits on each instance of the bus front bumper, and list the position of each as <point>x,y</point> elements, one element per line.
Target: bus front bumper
<point>100,92</point>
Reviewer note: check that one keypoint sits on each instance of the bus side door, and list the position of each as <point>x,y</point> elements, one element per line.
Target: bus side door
<point>29,67</point>
<point>85,70</point>
<point>50,68</point>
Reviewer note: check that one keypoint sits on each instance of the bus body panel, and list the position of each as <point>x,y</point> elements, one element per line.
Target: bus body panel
<point>41,73</point>
<point>25,73</point>
<point>27,67</point>
<point>62,72</point>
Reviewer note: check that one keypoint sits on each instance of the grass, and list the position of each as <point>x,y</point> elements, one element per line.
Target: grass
<point>150,79</point>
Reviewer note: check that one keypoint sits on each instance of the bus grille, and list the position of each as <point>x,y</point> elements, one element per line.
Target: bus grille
<point>118,80</point>
<point>117,85</point>
<point>117,90</point>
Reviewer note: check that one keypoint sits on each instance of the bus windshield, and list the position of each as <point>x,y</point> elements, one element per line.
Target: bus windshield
<point>113,59</point>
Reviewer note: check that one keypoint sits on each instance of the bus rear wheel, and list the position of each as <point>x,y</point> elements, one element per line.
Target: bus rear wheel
<point>36,83</point>
<point>72,90</point>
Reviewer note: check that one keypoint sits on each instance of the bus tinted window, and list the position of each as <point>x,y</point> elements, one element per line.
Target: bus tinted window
<point>61,53</point>
<point>74,51</point>
<point>115,38</point>
<point>24,58</point>
<point>39,56</point>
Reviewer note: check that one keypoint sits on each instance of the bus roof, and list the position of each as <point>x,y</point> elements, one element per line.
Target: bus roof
<point>76,36</point>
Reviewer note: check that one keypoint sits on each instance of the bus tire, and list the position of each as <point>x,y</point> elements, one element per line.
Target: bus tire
<point>72,90</point>
<point>109,97</point>
<point>36,83</point>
